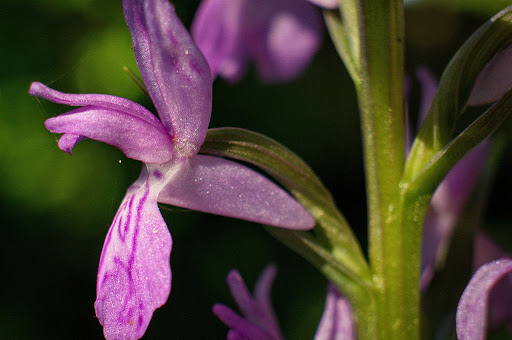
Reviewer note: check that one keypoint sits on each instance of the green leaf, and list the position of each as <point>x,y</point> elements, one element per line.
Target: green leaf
<point>455,86</point>
<point>426,181</point>
<point>482,7</point>
<point>344,31</point>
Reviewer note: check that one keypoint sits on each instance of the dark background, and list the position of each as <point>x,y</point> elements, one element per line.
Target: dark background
<point>56,209</point>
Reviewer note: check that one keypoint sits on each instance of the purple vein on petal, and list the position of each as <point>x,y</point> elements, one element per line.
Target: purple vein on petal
<point>134,272</point>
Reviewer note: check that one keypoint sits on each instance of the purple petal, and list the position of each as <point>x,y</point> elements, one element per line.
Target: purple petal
<point>175,72</point>
<point>337,321</point>
<point>281,36</point>
<point>494,80</point>
<point>293,35</point>
<point>428,90</point>
<point>472,310</point>
<point>100,100</point>
<point>218,31</point>
<point>262,295</point>
<point>136,137</point>
<point>219,186</point>
<point>134,275</point>
<point>486,250</point>
<point>241,328</point>
<point>258,311</point>
<point>234,335</point>
<point>330,4</point>
<point>259,320</point>
<point>68,141</point>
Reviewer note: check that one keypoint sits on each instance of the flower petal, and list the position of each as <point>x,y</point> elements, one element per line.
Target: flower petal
<point>330,4</point>
<point>175,72</point>
<point>337,321</point>
<point>259,320</point>
<point>223,187</point>
<point>134,275</point>
<point>472,309</point>
<point>494,80</point>
<point>290,34</point>
<point>68,141</point>
<point>429,87</point>
<point>241,328</point>
<point>486,250</point>
<point>281,36</point>
<point>262,294</point>
<point>100,100</point>
<point>135,136</point>
<point>218,31</point>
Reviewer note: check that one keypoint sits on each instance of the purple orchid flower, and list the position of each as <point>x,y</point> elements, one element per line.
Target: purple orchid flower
<point>281,36</point>
<point>134,275</point>
<point>259,320</point>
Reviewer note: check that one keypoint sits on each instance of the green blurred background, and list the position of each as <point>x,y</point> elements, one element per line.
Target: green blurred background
<point>57,208</point>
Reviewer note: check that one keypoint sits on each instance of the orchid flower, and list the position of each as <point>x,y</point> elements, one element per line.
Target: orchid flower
<point>281,36</point>
<point>259,320</point>
<point>134,275</point>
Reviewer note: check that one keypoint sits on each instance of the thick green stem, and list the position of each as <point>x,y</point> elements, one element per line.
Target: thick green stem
<point>394,249</point>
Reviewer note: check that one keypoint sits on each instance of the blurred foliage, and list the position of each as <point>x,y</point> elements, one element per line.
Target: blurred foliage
<point>58,207</point>
<point>482,8</point>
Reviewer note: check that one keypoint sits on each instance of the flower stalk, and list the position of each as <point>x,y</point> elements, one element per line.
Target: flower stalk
<point>380,95</point>
<point>375,38</point>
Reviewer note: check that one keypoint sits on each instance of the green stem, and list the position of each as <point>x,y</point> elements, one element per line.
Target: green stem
<point>394,249</point>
